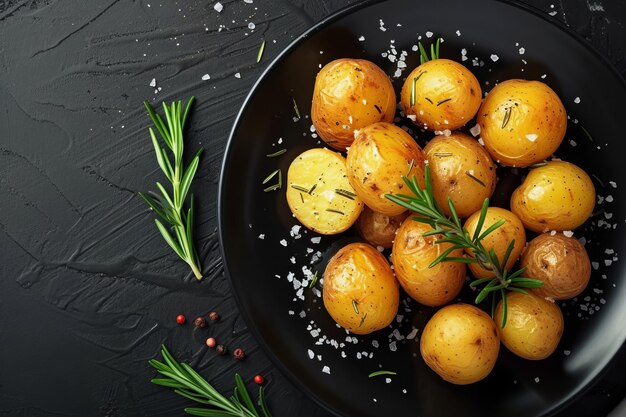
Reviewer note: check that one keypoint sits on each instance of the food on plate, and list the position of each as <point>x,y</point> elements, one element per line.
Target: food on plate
<point>499,239</point>
<point>412,255</point>
<point>360,292</point>
<point>377,159</point>
<point>461,169</point>
<point>319,193</point>
<point>349,95</point>
<point>460,343</point>
<point>534,325</point>
<point>441,94</point>
<point>379,229</point>
<point>522,122</point>
<point>561,262</point>
<point>556,196</point>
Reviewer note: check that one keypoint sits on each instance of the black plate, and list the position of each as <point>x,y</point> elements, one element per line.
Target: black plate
<point>594,325</point>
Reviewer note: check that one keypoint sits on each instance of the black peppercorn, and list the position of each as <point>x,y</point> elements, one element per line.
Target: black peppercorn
<point>239,354</point>
<point>221,349</point>
<point>214,316</point>
<point>199,322</point>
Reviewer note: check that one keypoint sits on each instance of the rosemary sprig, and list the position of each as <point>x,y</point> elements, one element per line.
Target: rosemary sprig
<point>188,383</point>
<point>170,207</point>
<point>423,203</point>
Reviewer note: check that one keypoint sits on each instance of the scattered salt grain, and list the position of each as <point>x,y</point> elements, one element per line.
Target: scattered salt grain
<point>238,75</point>
<point>362,38</point>
<point>218,7</point>
<point>206,77</point>
<point>532,137</point>
<point>536,379</point>
<point>388,380</point>
<point>283,242</point>
<point>567,352</point>
<point>262,236</point>
<point>475,131</point>
<point>522,50</point>
<point>568,233</point>
<point>326,370</point>
<point>458,33</point>
<point>392,346</point>
<point>153,83</point>
<point>316,239</point>
<point>494,57</point>
<point>429,34</point>
<point>251,26</point>
<point>577,100</point>
<point>613,184</point>
<point>412,334</point>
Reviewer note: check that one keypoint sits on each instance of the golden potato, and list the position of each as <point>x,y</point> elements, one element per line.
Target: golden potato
<point>350,94</point>
<point>360,292</point>
<point>411,255</point>
<point>557,196</point>
<point>533,327</point>
<point>460,343</point>
<point>461,169</point>
<point>441,94</point>
<point>380,155</point>
<point>561,262</point>
<point>379,229</point>
<point>522,122</point>
<point>319,193</point>
<point>500,238</point>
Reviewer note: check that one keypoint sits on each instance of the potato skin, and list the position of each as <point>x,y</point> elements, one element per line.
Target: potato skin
<point>557,196</point>
<point>533,328</point>
<point>447,95</point>
<point>561,262</point>
<point>460,343</point>
<point>359,272</point>
<point>411,255</point>
<point>453,160</point>
<point>535,127</point>
<point>350,94</point>
<point>379,229</point>
<point>500,238</point>
<point>380,155</point>
<point>326,170</point>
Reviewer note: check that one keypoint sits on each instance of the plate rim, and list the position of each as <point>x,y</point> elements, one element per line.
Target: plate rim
<point>243,309</point>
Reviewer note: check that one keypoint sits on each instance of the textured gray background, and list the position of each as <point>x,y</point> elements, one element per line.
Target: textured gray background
<point>88,290</point>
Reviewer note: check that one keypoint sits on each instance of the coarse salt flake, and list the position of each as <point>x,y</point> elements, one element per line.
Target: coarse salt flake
<point>238,75</point>
<point>494,57</point>
<point>429,34</point>
<point>283,242</point>
<point>475,131</point>
<point>326,370</point>
<point>577,100</point>
<point>262,236</point>
<point>362,38</point>
<point>532,137</point>
<point>206,77</point>
<point>522,50</point>
<point>311,354</point>
<point>316,239</point>
<point>218,7</point>
<point>568,233</point>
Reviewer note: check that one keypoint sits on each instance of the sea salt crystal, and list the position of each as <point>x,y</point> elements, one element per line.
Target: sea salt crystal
<point>375,343</point>
<point>153,83</point>
<point>316,239</point>
<point>536,379</point>
<point>567,352</point>
<point>218,7</point>
<point>326,370</point>
<point>392,346</point>
<point>494,57</point>
<point>522,50</point>
<point>609,198</point>
<point>577,100</point>
<point>532,137</point>
<point>595,265</point>
<point>291,312</point>
<point>458,33</point>
<point>283,242</point>
<point>412,334</point>
<point>568,233</point>
<point>251,26</point>
<point>238,75</point>
<point>206,77</point>
<point>429,34</point>
<point>613,184</point>
<point>262,236</point>
<point>388,380</point>
<point>362,38</point>
<point>475,131</point>
<point>572,142</point>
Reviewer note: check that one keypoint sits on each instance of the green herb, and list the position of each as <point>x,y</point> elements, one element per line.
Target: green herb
<point>362,319</point>
<point>355,306</point>
<point>442,154</point>
<point>276,186</point>
<point>439,103</point>
<point>472,176</point>
<point>188,383</point>
<point>313,280</point>
<point>377,373</point>
<point>538,164</point>
<point>413,91</point>
<point>277,153</point>
<point>378,109</point>
<point>410,167</point>
<point>270,176</point>
<point>295,108</point>
<point>507,116</point>
<point>312,189</point>
<point>434,51</point>
<point>423,203</point>
<point>170,207</point>
<point>345,193</point>
<point>336,211</point>
<point>300,188</point>
<point>260,54</point>
<point>429,100</point>
<point>586,133</point>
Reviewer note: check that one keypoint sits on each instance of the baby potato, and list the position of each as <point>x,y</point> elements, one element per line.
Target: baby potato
<point>461,169</point>
<point>379,229</point>
<point>441,94</point>
<point>380,155</point>
<point>561,262</point>
<point>460,343</point>
<point>499,239</point>
<point>556,196</point>
<point>360,292</point>
<point>411,255</point>
<point>534,326</point>
<point>319,193</point>
<point>350,94</point>
<point>522,122</point>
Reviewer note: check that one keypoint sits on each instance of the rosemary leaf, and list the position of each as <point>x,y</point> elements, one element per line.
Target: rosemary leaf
<point>377,373</point>
<point>261,50</point>
<point>277,153</point>
<point>507,116</point>
<point>475,178</point>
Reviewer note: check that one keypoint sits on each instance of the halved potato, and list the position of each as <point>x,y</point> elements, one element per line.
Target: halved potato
<point>319,193</point>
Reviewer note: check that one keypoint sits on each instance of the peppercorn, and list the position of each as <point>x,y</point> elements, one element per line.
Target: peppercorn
<point>239,354</point>
<point>258,379</point>
<point>214,316</point>
<point>211,342</point>
<point>200,322</point>
<point>180,319</point>
<point>221,349</point>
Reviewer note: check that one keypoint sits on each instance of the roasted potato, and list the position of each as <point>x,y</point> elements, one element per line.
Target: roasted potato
<point>522,122</point>
<point>360,292</point>
<point>379,229</point>
<point>319,193</point>
<point>350,94</point>
<point>556,196</point>
<point>441,94</point>
<point>461,169</point>
<point>533,328</point>
<point>561,262</point>
<point>460,343</point>
<point>380,155</point>
<point>499,239</point>
<point>411,256</point>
